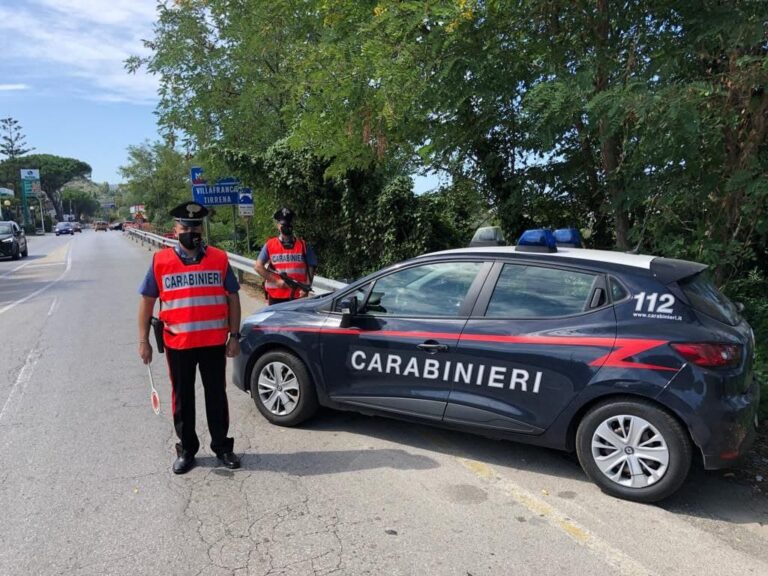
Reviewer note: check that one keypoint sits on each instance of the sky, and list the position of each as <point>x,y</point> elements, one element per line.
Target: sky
<point>62,77</point>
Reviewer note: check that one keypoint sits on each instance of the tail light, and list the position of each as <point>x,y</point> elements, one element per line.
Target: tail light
<point>710,355</point>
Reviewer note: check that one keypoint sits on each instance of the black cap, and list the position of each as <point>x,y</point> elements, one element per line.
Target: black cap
<point>189,213</point>
<point>284,215</point>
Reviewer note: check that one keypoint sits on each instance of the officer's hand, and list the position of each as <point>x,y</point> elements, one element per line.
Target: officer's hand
<point>281,283</point>
<point>145,352</point>
<point>233,347</point>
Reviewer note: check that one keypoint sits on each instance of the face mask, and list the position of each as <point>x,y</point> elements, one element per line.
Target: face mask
<point>190,240</point>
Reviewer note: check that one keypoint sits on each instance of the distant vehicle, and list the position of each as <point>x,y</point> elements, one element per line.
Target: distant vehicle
<point>100,225</point>
<point>13,242</point>
<point>77,226</point>
<point>116,226</point>
<point>64,228</point>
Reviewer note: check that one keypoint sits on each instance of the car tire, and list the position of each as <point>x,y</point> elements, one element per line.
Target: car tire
<point>25,252</point>
<point>634,450</point>
<point>282,389</point>
<point>15,255</point>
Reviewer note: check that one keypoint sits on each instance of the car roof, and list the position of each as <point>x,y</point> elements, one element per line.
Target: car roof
<point>642,261</point>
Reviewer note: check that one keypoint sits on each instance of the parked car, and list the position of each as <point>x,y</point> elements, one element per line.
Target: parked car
<point>116,226</point>
<point>100,225</point>
<point>635,362</point>
<point>64,228</point>
<point>13,241</point>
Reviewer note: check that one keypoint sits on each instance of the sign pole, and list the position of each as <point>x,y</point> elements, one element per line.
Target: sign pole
<point>248,232</point>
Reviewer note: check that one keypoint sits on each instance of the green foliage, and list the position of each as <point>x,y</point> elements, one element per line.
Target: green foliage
<point>751,291</point>
<point>644,125</point>
<point>157,175</point>
<point>55,172</point>
<point>81,202</point>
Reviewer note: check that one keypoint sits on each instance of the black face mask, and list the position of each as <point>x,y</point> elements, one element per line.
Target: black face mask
<point>190,240</point>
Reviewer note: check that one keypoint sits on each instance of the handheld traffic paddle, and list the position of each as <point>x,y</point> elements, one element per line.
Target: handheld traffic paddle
<point>154,397</point>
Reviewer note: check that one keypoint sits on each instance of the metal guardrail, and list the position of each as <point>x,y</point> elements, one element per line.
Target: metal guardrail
<point>239,263</point>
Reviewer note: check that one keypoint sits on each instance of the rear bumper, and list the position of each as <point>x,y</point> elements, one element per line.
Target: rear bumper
<point>734,434</point>
<point>723,426</point>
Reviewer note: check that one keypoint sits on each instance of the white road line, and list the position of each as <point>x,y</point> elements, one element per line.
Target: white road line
<point>14,270</point>
<point>21,381</point>
<point>44,288</point>
<point>53,305</point>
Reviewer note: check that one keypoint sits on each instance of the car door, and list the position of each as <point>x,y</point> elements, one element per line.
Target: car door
<point>535,339</point>
<point>394,353</point>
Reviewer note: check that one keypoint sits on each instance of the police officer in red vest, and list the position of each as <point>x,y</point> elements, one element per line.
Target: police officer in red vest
<point>200,309</point>
<point>288,255</point>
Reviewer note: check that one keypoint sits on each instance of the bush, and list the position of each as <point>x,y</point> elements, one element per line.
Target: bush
<point>751,291</point>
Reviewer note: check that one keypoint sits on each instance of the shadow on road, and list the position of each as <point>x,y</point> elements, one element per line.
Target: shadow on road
<point>705,494</point>
<point>329,462</point>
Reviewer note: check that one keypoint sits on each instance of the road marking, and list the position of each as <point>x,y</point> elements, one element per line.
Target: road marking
<point>44,288</point>
<point>14,270</point>
<point>21,381</point>
<point>53,305</point>
<point>612,556</point>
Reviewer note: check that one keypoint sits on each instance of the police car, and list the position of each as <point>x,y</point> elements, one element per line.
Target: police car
<point>638,363</point>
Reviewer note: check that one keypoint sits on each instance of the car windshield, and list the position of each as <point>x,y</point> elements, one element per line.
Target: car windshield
<point>5,228</point>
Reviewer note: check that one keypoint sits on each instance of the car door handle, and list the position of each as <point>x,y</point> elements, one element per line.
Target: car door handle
<point>432,346</point>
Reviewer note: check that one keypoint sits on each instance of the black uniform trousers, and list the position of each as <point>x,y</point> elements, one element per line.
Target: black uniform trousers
<point>182,365</point>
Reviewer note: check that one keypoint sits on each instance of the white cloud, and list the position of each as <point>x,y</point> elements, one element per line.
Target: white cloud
<point>10,87</point>
<point>80,46</point>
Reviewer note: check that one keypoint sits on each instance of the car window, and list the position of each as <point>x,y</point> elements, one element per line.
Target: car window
<point>359,293</point>
<point>617,290</point>
<point>428,290</point>
<point>706,298</point>
<point>6,228</point>
<point>536,292</point>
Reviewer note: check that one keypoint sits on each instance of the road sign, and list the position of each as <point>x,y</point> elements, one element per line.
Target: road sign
<point>245,205</point>
<point>30,174</point>
<point>223,193</point>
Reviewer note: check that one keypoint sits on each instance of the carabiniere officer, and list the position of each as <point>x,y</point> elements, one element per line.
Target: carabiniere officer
<point>200,308</point>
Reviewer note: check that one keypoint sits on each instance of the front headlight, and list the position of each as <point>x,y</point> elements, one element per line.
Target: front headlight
<point>8,240</point>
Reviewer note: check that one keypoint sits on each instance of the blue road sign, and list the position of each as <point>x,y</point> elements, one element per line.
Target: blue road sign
<point>224,192</point>
<point>246,196</point>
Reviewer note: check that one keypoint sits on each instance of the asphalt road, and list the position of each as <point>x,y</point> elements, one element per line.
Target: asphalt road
<point>86,486</point>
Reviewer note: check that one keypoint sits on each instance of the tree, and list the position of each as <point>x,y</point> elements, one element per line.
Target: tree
<point>55,172</point>
<point>13,141</point>
<point>79,202</point>
<point>157,175</point>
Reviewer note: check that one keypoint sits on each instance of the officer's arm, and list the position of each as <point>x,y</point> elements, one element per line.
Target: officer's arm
<point>233,299</point>
<point>146,306</point>
<point>261,270</point>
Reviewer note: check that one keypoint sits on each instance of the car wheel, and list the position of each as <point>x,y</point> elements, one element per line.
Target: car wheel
<point>633,450</point>
<point>282,389</point>
<point>25,252</point>
<point>15,252</point>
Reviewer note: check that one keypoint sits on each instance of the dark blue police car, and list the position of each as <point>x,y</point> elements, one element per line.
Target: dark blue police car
<point>635,362</point>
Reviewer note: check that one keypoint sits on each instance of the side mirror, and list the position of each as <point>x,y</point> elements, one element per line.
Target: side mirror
<point>740,307</point>
<point>348,311</point>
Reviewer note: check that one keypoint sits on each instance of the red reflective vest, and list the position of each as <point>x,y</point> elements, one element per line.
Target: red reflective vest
<point>292,261</point>
<point>193,301</point>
